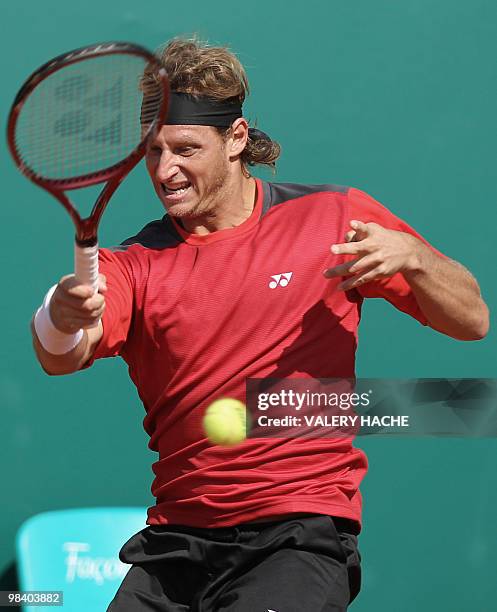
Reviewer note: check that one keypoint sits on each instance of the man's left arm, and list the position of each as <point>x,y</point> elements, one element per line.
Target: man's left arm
<point>447,294</point>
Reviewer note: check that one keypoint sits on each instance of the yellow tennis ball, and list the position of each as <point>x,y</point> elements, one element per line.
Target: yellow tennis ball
<point>225,422</point>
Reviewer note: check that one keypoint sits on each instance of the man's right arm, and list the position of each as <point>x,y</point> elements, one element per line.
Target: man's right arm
<point>72,307</point>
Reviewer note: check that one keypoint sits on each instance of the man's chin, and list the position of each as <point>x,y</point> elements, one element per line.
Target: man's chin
<point>181,210</point>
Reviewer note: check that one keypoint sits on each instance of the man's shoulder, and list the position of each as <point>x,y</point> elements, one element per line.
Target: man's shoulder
<point>281,193</point>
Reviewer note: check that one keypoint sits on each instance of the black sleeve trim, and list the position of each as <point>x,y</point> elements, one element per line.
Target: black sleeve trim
<point>159,234</point>
<point>278,193</point>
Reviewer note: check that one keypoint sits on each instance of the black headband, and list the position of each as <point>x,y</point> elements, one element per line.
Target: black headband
<point>185,109</point>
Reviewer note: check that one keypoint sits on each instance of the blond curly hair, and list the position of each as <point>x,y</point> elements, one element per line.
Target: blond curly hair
<point>196,68</point>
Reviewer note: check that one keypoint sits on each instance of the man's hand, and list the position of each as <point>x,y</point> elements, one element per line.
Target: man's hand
<point>447,294</point>
<point>379,253</point>
<point>74,306</point>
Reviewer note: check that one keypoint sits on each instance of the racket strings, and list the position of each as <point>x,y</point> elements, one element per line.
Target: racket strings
<point>86,117</point>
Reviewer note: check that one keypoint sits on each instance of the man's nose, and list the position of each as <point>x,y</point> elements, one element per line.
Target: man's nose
<point>167,167</point>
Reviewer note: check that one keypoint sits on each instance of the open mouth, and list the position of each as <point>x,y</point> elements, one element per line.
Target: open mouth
<point>178,190</point>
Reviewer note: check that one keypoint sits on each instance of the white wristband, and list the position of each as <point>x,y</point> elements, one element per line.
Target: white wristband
<point>51,339</point>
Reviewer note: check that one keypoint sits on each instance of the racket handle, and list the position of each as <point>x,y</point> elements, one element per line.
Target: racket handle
<point>86,265</point>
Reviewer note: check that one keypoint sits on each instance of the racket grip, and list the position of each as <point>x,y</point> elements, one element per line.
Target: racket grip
<point>86,265</point>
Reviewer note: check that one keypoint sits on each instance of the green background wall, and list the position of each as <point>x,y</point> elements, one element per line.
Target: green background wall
<point>396,98</point>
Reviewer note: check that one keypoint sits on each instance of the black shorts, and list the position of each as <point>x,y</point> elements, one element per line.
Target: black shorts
<point>294,565</point>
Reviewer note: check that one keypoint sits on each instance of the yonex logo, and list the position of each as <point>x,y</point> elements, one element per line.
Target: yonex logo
<point>280,279</point>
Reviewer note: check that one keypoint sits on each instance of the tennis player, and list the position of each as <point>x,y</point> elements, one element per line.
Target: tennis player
<point>245,278</point>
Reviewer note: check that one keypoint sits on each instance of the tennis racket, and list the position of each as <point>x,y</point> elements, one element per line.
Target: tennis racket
<point>85,118</point>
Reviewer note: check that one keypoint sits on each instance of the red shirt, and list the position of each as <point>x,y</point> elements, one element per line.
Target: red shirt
<point>195,315</point>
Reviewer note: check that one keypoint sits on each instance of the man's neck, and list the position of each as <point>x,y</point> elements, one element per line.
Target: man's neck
<point>235,206</point>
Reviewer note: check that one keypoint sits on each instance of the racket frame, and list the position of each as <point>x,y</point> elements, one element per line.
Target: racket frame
<point>86,228</point>
<point>86,253</point>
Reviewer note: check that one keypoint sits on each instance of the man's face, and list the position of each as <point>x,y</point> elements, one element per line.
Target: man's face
<point>189,168</point>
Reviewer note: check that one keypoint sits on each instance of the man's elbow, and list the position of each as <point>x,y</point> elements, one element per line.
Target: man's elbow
<point>467,327</point>
<point>66,363</point>
<point>53,370</point>
<point>477,328</point>
<point>482,324</point>
<point>55,365</point>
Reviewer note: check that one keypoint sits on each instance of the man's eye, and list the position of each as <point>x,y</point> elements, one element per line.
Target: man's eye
<point>186,151</point>
<point>154,150</point>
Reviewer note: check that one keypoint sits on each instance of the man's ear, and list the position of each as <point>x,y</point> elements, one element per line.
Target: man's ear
<point>237,138</point>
